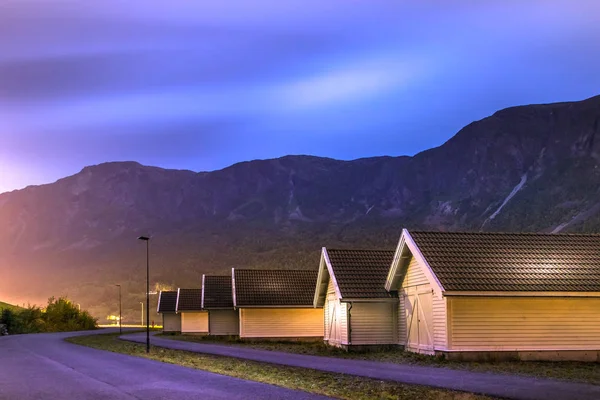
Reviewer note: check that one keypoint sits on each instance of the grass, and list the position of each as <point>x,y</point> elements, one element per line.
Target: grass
<point>308,380</point>
<point>563,370</point>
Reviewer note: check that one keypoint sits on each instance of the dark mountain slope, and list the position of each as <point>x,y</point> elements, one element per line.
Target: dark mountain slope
<point>530,168</point>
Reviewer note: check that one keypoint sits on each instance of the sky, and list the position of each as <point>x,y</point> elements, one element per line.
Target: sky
<point>201,85</point>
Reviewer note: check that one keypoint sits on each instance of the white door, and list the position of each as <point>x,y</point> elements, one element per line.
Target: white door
<point>332,329</point>
<point>419,319</point>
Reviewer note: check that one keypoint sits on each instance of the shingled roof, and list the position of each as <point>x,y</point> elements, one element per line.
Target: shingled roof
<point>512,261</point>
<point>217,292</point>
<point>274,288</point>
<point>189,300</point>
<point>167,302</point>
<point>361,274</point>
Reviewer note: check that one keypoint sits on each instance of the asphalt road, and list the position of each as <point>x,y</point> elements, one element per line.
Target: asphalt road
<point>44,366</point>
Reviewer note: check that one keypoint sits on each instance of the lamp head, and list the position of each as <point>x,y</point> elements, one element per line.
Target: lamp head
<point>145,238</point>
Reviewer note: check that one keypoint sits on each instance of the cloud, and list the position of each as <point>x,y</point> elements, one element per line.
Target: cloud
<point>348,83</point>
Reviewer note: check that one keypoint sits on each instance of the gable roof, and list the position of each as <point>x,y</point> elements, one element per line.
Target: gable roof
<point>512,262</point>
<point>167,301</point>
<point>217,292</point>
<point>275,288</point>
<point>358,274</point>
<point>189,300</point>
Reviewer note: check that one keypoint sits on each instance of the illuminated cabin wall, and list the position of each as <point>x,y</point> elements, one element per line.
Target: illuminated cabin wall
<point>281,322</point>
<point>527,323</point>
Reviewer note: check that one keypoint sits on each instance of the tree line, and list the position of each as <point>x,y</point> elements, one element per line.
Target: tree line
<point>60,315</point>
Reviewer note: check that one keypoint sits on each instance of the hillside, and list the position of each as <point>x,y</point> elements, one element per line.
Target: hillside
<point>528,168</point>
<point>4,306</point>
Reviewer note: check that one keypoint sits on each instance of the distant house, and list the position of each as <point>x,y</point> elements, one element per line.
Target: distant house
<point>277,304</point>
<point>358,310</point>
<point>167,306</point>
<point>193,318</point>
<point>217,299</point>
<point>474,295</point>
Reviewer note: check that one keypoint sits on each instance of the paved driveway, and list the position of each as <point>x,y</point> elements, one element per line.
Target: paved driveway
<point>44,366</point>
<point>498,385</point>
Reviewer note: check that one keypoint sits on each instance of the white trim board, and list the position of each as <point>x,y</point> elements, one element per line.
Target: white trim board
<point>406,241</point>
<point>233,288</point>
<point>202,296</point>
<point>338,293</point>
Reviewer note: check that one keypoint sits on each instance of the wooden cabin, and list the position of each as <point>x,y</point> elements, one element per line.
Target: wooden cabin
<point>358,311</point>
<point>167,306</point>
<point>277,304</point>
<point>194,319</point>
<point>217,299</point>
<point>498,295</point>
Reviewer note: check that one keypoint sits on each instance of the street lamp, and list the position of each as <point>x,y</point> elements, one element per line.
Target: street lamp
<point>147,240</point>
<point>120,327</point>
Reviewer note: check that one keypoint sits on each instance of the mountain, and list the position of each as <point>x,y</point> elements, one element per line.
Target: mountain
<point>528,168</point>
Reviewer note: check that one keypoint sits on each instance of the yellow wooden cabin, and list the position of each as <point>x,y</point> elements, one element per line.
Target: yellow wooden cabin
<point>498,295</point>
<point>277,304</point>
<point>194,320</point>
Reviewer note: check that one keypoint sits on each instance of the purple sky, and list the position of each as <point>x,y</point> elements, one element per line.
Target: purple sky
<point>203,84</point>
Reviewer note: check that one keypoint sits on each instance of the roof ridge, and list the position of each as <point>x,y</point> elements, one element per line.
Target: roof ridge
<point>506,233</point>
<point>277,270</point>
<point>340,249</point>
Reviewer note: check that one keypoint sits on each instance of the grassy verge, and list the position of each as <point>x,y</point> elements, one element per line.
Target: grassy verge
<point>329,384</point>
<point>563,370</point>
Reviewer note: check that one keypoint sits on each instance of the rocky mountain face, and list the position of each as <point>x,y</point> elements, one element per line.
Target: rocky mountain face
<point>529,168</point>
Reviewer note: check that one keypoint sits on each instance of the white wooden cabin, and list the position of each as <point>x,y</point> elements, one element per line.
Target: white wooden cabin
<point>358,311</point>
<point>498,295</point>
<point>217,299</point>
<point>167,307</point>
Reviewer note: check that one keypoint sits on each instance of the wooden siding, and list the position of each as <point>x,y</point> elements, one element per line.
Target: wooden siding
<point>281,322</point>
<point>511,324</point>
<point>402,319</point>
<point>440,322</point>
<point>223,322</point>
<point>415,276</point>
<point>194,322</point>
<point>171,322</point>
<point>343,323</point>
<point>373,323</point>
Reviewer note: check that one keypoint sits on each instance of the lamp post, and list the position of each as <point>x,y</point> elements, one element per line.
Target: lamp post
<point>120,326</point>
<point>147,240</point>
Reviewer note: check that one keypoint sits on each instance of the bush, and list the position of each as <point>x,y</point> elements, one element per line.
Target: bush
<point>59,316</point>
